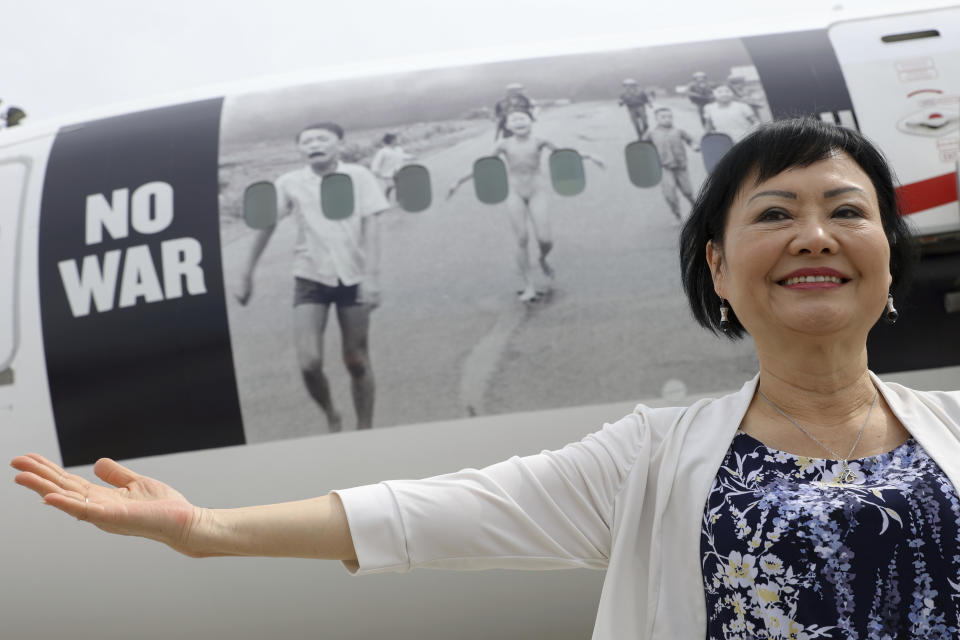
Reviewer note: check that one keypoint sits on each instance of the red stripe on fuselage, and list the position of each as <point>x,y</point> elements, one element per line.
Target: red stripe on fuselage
<point>927,194</point>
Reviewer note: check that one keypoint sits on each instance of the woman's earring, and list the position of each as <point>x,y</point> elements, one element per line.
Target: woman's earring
<point>724,316</point>
<point>891,314</point>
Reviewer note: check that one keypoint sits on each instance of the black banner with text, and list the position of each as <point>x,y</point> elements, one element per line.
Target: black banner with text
<point>134,318</point>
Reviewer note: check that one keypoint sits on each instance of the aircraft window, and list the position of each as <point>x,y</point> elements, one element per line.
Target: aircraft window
<point>260,205</point>
<point>336,196</point>
<point>913,35</point>
<point>13,182</point>
<point>714,146</point>
<point>566,172</point>
<point>413,188</point>
<point>490,180</point>
<point>643,164</point>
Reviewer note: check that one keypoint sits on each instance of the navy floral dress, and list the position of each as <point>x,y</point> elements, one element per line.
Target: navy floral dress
<point>788,552</point>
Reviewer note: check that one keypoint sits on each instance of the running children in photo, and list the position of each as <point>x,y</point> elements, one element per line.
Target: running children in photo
<point>671,143</point>
<point>389,159</point>
<point>729,115</point>
<point>636,101</point>
<point>335,263</point>
<point>513,100</point>
<point>527,197</point>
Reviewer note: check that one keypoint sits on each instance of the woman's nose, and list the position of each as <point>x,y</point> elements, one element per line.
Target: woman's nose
<point>814,237</point>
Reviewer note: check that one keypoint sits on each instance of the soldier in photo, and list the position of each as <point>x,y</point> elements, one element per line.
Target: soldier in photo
<point>700,92</point>
<point>636,101</point>
<point>728,115</point>
<point>752,96</point>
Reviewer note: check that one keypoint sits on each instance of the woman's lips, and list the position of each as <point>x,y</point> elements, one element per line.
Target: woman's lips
<point>814,278</point>
<point>813,282</point>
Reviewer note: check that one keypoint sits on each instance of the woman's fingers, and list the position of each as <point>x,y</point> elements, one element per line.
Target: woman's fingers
<point>47,479</point>
<point>46,463</point>
<point>114,473</point>
<point>36,483</point>
<point>50,471</point>
<point>37,464</point>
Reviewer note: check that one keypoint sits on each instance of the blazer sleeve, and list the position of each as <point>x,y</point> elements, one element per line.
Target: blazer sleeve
<point>548,511</point>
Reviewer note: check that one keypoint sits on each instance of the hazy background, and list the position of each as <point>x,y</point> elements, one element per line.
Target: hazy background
<point>59,57</point>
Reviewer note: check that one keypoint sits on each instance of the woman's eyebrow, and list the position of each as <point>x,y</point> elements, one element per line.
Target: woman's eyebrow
<point>781,194</point>
<point>831,193</point>
<point>836,192</point>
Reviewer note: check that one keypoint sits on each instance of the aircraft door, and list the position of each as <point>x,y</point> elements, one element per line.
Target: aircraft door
<point>903,74</point>
<point>13,180</point>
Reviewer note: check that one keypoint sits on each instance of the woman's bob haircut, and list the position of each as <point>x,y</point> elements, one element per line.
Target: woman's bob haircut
<point>771,149</point>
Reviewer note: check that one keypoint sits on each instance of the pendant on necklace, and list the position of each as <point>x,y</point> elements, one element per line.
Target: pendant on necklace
<point>846,475</point>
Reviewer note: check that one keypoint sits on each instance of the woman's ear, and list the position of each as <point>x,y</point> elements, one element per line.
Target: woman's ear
<point>715,262</point>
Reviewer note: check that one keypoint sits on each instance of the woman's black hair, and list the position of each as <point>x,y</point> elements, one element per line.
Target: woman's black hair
<point>771,149</point>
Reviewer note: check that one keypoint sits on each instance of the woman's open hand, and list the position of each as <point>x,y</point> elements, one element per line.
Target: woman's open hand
<point>135,505</point>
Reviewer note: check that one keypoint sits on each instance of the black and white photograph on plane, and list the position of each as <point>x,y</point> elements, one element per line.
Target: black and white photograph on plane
<point>472,306</point>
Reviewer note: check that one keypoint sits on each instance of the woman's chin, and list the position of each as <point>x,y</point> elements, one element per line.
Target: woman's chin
<point>821,321</point>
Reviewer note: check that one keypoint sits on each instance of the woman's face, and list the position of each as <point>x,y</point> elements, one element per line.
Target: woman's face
<point>805,252</point>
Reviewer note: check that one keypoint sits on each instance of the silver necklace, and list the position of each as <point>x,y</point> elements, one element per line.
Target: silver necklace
<point>846,475</point>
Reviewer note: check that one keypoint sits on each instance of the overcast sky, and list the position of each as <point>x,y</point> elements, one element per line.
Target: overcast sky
<point>64,56</point>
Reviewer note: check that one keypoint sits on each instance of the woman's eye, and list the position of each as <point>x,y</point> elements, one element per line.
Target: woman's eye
<point>847,212</point>
<point>773,215</point>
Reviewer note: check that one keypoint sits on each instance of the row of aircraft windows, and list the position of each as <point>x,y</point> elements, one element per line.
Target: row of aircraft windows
<point>490,181</point>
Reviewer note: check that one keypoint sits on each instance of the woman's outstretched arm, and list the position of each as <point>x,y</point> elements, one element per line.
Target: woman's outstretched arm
<point>136,505</point>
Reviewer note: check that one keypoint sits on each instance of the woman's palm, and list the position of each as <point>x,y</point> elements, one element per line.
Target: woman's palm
<point>135,505</point>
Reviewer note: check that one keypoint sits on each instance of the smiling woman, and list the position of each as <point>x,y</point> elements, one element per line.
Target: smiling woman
<point>785,248</point>
<point>753,180</point>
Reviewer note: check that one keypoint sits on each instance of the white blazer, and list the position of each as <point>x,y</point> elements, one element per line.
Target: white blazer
<point>628,498</point>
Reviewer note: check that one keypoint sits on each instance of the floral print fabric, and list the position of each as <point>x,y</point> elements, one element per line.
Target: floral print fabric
<point>787,552</point>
